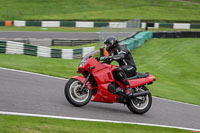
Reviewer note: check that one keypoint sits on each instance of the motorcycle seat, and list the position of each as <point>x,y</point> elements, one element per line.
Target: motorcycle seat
<point>139,75</point>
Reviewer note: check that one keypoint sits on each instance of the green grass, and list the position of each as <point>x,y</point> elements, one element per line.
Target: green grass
<point>21,124</point>
<point>174,62</point>
<point>165,10</point>
<point>50,66</point>
<point>194,1</point>
<point>73,29</point>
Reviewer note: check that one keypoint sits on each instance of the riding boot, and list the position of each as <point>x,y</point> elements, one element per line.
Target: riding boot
<point>128,89</point>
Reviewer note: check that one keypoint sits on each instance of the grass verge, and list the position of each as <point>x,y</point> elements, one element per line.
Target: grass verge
<point>50,66</point>
<point>164,10</point>
<point>22,124</point>
<point>174,62</point>
<point>73,29</point>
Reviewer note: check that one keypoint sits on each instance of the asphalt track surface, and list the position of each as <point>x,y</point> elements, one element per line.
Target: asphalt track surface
<point>59,35</point>
<point>31,93</point>
<point>52,35</point>
<point>45,38</point>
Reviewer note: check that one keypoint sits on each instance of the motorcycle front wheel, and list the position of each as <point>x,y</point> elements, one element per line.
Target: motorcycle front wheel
<point>75,95</point>
<point>142,104</point>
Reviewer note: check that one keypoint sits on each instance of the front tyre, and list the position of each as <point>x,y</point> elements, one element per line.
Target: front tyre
<point>75,95</point>
<point>142,104</point>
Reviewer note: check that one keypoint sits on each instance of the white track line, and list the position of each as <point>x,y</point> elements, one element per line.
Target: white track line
<point>8,69</point>
<point>87,119</point>
<point>94,120</point>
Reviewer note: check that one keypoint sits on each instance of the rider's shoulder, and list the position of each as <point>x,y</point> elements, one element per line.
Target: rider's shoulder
<point>122,47</point>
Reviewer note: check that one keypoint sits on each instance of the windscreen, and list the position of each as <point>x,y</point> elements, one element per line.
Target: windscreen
<point>87,56</point>
<point>90,54</point>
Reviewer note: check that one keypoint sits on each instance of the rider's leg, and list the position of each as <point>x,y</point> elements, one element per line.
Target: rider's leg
<point>128,89</point>
<point>120,75</point>
<point>129,71</point>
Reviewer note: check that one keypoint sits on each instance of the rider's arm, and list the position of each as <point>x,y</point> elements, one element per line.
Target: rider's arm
<point>121,53</point>
<point>108,61</point>
<point>120,56</point>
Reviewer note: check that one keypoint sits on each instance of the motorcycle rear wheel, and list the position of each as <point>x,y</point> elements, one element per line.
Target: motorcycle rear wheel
<point>74,95</point>
<point>142,104</point>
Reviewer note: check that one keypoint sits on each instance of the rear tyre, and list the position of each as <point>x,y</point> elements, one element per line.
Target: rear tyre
<point>140,105</point>
<point>75,95</point>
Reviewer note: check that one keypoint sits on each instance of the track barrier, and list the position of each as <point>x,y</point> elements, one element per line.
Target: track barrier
<point>91,24</point>
<point>177,34</point>
<point>137,40</point>
<point>10,47</point>
<point>141,37</point>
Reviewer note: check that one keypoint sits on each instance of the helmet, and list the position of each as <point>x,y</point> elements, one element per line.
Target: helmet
<point>110,42</point>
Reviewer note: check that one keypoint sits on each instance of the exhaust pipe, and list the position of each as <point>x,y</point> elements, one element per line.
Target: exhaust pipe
<point>143,93</point>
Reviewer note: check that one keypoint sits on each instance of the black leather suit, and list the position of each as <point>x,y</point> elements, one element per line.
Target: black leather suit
<point>127,67</point>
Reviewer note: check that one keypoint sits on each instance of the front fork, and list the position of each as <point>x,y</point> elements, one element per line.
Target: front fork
<point>84,87</point>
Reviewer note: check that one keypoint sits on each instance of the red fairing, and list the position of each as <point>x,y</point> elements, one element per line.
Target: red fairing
<point>82,79</point>
<point>103,95</point>
<point>102,74</point>
<point>141,81</point>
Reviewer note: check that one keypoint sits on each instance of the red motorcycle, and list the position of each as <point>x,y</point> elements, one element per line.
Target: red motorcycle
<point>99,85</point>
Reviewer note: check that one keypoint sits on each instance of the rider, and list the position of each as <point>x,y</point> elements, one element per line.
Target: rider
<point>122,55</point>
